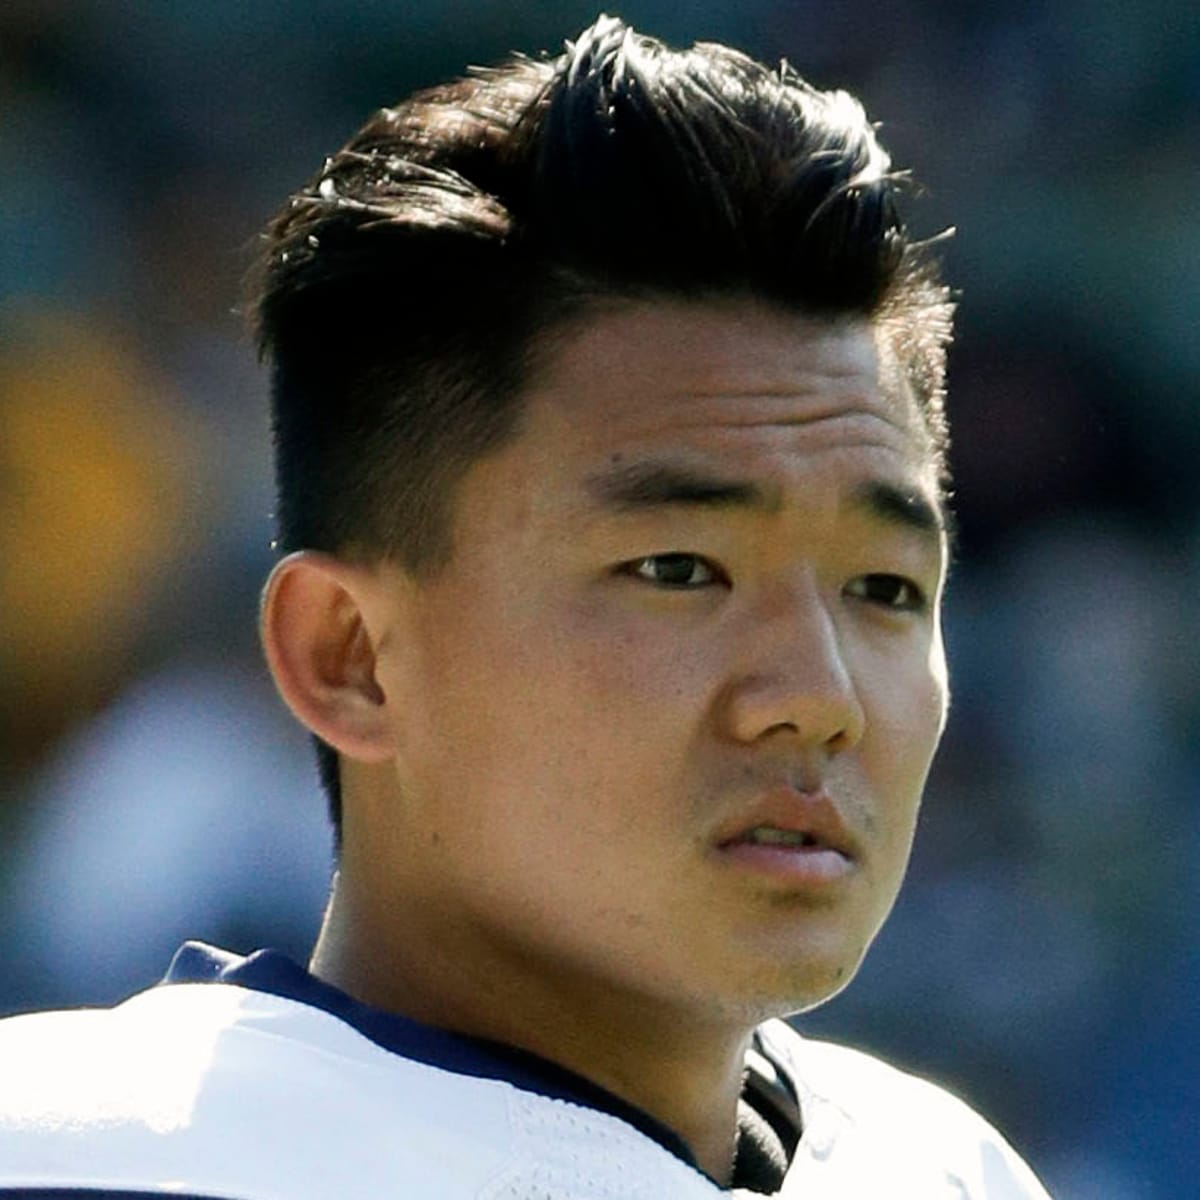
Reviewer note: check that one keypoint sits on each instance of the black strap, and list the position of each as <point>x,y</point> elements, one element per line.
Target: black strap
<point>773,1096</point>
<point>769,1125</point>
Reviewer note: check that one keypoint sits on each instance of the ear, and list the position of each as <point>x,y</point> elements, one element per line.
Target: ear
<point>322,623</point>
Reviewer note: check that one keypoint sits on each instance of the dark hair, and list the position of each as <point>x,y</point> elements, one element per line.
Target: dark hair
<point>403,295</point>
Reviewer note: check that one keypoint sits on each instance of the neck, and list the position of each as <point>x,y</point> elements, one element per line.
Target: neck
<point>682,1071</point>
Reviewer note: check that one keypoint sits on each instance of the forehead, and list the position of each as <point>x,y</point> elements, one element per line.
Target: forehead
<point>738,380</point>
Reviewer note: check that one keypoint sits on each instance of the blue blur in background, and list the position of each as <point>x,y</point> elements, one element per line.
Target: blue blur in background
<point>1043,958</point>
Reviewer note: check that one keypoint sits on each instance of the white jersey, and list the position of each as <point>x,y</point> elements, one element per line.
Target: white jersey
<point>249,1079</point>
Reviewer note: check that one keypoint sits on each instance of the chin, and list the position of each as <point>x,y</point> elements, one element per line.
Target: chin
<point>789,988</point>
<point>803,972</point>
<point>815,996</point>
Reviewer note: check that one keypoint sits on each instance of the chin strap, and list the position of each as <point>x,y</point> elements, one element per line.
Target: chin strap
<point>769,1124</point>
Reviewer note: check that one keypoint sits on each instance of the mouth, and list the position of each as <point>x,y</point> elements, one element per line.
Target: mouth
<point>766,835</point>
<point>795,838</point>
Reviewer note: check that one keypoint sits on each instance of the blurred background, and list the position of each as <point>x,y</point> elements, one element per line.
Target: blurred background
<point>1043,960</point>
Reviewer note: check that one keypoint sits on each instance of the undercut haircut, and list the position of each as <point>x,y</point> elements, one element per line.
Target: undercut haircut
<point>404,295</point>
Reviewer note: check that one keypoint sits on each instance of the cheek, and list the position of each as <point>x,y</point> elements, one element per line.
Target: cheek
<point>618,667</point>
<point>594,705</point>
<point>906,713</point>
<point>904,722</point>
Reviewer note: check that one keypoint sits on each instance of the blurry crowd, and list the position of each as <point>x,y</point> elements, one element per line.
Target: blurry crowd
<point>1044,958</point>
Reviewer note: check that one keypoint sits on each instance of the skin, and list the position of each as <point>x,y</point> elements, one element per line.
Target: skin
<point>545,745</point>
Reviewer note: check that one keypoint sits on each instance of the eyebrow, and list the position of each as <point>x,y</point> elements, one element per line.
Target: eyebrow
<point>658,485</point>
<point>901,506</point>
<point>647,485</point>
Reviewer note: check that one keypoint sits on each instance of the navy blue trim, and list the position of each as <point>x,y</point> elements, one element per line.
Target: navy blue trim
<point>87,1193</point>
<point>272,972</point>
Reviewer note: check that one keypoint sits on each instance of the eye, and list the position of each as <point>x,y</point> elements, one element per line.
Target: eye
<point>890,591</point>
<point>680,571</point>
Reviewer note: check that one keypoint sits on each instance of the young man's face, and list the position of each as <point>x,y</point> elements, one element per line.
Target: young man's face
<point>668,712</point>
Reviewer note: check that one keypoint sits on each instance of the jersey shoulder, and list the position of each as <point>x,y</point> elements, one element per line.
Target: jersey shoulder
<point>861,1113</point>
<point>215,1090</point>
<point>212,1090</point>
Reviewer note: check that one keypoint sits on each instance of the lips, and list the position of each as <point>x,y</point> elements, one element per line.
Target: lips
<point>766,835</point>
<point>790,819</point>
<point>797,839</point>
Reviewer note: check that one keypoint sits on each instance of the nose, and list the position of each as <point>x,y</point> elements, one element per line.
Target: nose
<point>795,679</point>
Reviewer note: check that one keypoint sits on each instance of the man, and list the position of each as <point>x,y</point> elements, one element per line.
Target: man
<point>607,399</point>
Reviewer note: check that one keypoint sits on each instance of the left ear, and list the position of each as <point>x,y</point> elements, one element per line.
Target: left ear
<point>322,623</point>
